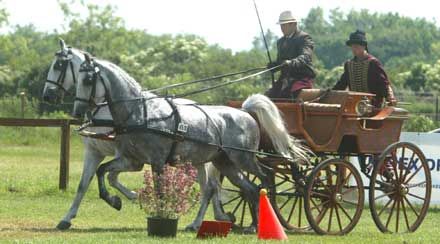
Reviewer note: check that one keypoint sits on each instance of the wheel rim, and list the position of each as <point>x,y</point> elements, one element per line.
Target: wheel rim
<point>234,204</point>
<point>400,189</point>
<point>334,198</point>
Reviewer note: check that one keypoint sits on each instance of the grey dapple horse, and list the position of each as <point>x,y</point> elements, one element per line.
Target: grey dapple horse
<point>146,126</point>
<point>95,150</point>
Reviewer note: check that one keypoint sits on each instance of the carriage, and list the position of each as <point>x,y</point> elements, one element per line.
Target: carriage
<point>328,193</point>
<point>325,194</point>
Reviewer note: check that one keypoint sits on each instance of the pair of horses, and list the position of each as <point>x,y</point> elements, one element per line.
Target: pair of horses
<point>158,130</point>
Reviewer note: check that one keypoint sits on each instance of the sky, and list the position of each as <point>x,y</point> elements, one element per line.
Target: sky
<point>230,23</point>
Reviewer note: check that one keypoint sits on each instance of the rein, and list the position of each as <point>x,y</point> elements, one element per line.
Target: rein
<point>94,76</point>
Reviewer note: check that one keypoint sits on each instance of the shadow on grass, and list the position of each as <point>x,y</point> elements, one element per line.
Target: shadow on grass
<point>86,231</point>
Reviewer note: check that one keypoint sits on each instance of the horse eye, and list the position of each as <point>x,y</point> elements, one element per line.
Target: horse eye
<point>59,65</point>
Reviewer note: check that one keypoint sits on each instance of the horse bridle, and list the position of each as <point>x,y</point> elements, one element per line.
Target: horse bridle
<point>64,61</point>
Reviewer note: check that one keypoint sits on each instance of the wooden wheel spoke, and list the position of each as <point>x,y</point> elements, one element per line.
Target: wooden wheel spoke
<point>319,194</point>
<point>321,216</point>
<point>285,190</point>
<point>284,203</point>
<point>407,169</point>
<point>386,205</point>
<point>338,218</point>
<point>401,165</point>
<point>416,185</point>
<point>404,213</point>
<point>284,179</point>
<point>391,214</point>
<point>394,157</point>
<point>384,195</point>
<point>330,220</point>
<point>242,214</point>
<point>352,188</point>
<point>321,204</point>
<point>231,200</point>
<point>292,209</point>
<point>345,212</point>
<point>381,183</point>
<point>352,203</point>
<point>281,183</point>
<point>418,197</point>
<point>300,212</point>
<point>397,216</point>
<point>236,207</point>
<point>410,178</point>
<point>315,206</point>
<point>347,178</point>
<point>411,206</point>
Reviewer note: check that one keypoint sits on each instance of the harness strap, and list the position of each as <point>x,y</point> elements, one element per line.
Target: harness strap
<point>179,136</point>
<point>212,121</point>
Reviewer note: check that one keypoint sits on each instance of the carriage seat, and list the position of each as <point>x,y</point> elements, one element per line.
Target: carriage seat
<point>323,96</point>
<point>321,107</point>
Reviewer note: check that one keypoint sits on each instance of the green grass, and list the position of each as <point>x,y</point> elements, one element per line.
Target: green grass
<point>31,206</point>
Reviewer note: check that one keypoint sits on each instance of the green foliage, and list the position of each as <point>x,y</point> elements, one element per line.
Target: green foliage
<point>155,61</point>
<point>391,36</point>
<point>419,123</point>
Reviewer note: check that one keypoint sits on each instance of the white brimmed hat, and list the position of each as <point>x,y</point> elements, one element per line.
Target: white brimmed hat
<point>286,17</point>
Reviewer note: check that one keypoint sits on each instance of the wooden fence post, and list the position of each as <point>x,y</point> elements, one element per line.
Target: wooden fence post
<point>64,155</point>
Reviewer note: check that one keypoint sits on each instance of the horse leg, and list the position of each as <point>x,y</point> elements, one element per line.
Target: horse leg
<point>247,162</point>
<point>250,190</point>
<point>215,185</point>
<point>92,159</point>
<point>112,178</point>
<point>115,165</point>
<point>207,193</point>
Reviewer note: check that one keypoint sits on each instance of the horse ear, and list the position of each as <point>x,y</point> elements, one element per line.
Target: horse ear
<point>62,44</point>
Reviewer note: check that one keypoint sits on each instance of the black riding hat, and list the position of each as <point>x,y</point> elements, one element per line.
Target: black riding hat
<point>357,37</point>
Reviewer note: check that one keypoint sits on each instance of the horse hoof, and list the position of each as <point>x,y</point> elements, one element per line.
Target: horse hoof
<point>63,225</point>
<point>231,217</point>
<point>249,230</point>
<point>116,202</point>
<point>191,228</point>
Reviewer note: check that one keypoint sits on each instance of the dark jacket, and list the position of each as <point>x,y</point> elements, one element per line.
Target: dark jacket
<point>299,49</point>
<point>365,76</point>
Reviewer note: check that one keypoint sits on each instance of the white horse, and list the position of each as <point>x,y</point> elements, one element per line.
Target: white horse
<point>228,137</point>
<point>95,150</point>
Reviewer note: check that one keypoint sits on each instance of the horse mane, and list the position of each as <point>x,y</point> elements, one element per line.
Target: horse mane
<point>117,72</point>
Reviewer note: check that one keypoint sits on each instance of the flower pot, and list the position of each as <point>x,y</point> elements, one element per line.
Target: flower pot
<point>161,227</point>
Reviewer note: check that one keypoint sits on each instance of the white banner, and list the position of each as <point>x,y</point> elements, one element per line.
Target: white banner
<point>429,143</point>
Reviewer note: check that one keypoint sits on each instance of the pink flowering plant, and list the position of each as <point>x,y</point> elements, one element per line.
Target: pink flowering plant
<point>175,195</point>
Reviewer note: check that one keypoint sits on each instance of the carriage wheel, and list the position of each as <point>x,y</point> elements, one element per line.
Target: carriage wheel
<point>334,197</point>
<point>288,197</point>
<point>234,204</point>
<point>400,188</point>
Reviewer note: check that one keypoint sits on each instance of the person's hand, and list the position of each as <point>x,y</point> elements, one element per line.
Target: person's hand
<point>286,63</point>
<point>392,102</point>
<point>273,65</point>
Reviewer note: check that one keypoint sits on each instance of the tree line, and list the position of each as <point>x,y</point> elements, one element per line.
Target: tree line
<point>409,49</point>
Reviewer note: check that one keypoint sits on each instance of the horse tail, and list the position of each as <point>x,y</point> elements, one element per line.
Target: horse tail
<point>272,122</point>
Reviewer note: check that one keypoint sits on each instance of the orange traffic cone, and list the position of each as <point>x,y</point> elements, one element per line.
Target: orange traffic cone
<point>269,227</point>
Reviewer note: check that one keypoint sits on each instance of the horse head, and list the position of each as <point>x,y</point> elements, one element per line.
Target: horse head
<point>63,73</point>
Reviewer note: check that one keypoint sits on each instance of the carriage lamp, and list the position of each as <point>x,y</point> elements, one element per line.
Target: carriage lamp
<point>364,107</point>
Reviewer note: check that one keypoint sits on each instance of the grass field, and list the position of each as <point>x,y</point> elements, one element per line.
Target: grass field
<point>31,206</point>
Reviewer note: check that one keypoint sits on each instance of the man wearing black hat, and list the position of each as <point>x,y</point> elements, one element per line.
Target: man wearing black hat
<point>365,73</point>
<point>294,57</point>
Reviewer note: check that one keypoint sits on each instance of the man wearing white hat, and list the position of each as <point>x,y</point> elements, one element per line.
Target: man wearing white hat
<point>295,51</point>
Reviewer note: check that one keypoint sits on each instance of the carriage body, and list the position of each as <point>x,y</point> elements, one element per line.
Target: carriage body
<point>334,125</point>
